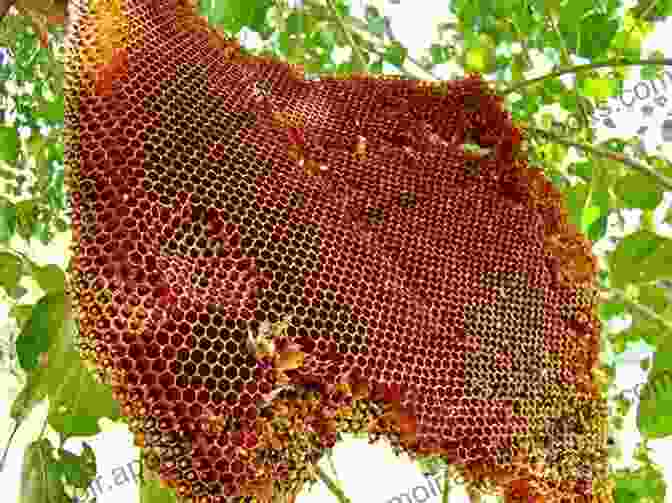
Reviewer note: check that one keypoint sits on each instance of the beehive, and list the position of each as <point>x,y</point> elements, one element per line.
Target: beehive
<point>263,262</point>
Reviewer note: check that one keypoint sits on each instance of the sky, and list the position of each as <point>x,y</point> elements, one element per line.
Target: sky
<point>372,474</point>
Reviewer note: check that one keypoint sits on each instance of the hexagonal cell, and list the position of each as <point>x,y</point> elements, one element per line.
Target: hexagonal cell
<point>166,380</point>
<point>159,365</point>
<point>231,372</point>
<point>211,357</point>
<point>197,356</point>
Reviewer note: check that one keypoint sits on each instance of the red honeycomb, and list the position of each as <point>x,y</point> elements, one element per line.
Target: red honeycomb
<point>264,262</point>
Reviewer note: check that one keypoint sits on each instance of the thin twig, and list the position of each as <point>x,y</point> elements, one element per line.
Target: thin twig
<point>371,48</point>
<point>566,60</point>
<point>642,168</point>
<point>446,486</point>
<point>369,37</point>
<point>579,68</point>
<point>645,12</point>
<point>9,443</point>
<point>330,459</point>
<point>358,23</point>
<point>333,487</point>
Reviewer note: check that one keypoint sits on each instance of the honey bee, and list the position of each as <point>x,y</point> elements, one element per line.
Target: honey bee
<point>279,328</point>
<point>311,167</point>
<point>262,88</point>
<point>262,345</point>
<point>360,148</point>
<point>213,423</point>
<point>273,394</point>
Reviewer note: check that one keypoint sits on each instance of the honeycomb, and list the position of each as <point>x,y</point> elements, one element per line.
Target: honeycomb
<point>262,263</point>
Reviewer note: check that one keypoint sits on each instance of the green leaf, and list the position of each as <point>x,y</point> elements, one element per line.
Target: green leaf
<point>518,67</point>
<point>654,416</point>
<point>481,57</point>
<point>27,399</point>
<point>575,10</point>
<point>376,25</point>
<point>641,330</point>
<point>601,178</point>
<point>79,471</point>
<point>599,88</point>
<point>232,15</point>
<point>34,339</point>
<point>593,36</point>
<point>638,485</point>
<point>26,218</point>
<point>438,53</point>
<point>654,297</point>
<point>609,310</point>
<point>640,258</point>
<point>638,190</point>
<point>9,144</point>
<point>21,313</point>
<point>575,198</point>
<point>7,221</point>
<point>10,271</point>
<point>77,400</point>
<point>504,7</point>
<point>40,479</point>
<point>598,229</point>
<point>649,72</point>
<point>294,23</point>
<point>152,492</point>
<point>395,53</point>
<point>583,169</point>
<point>53,111</point>
<point>51,278</point>
<point>589,215</point>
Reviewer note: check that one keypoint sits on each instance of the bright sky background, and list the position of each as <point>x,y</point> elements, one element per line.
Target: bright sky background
<point>370,474</point>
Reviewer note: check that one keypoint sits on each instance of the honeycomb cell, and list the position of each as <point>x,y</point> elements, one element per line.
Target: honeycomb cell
<point>253,246</point>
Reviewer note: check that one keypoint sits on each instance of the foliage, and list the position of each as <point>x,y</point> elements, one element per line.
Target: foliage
<point>498,37</point>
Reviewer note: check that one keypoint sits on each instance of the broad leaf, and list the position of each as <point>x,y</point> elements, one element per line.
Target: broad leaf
<point>46,321</point>
<point>9,144</point>
<point>51,278</point>
<point>640,258</point>
<point>152,492</point>
<point>77,400</point>
<point>638,190</point>
<point>10,271</point>
<point>40,476</point>
<point>7,220</point>
<point>654,416</point>
<point>654,297</point>
<point>395,53</point>
<point>79,471</point>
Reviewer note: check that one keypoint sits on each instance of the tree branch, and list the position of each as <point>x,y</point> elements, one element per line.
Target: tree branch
<point>580,68</point>
<point>642,168</point>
